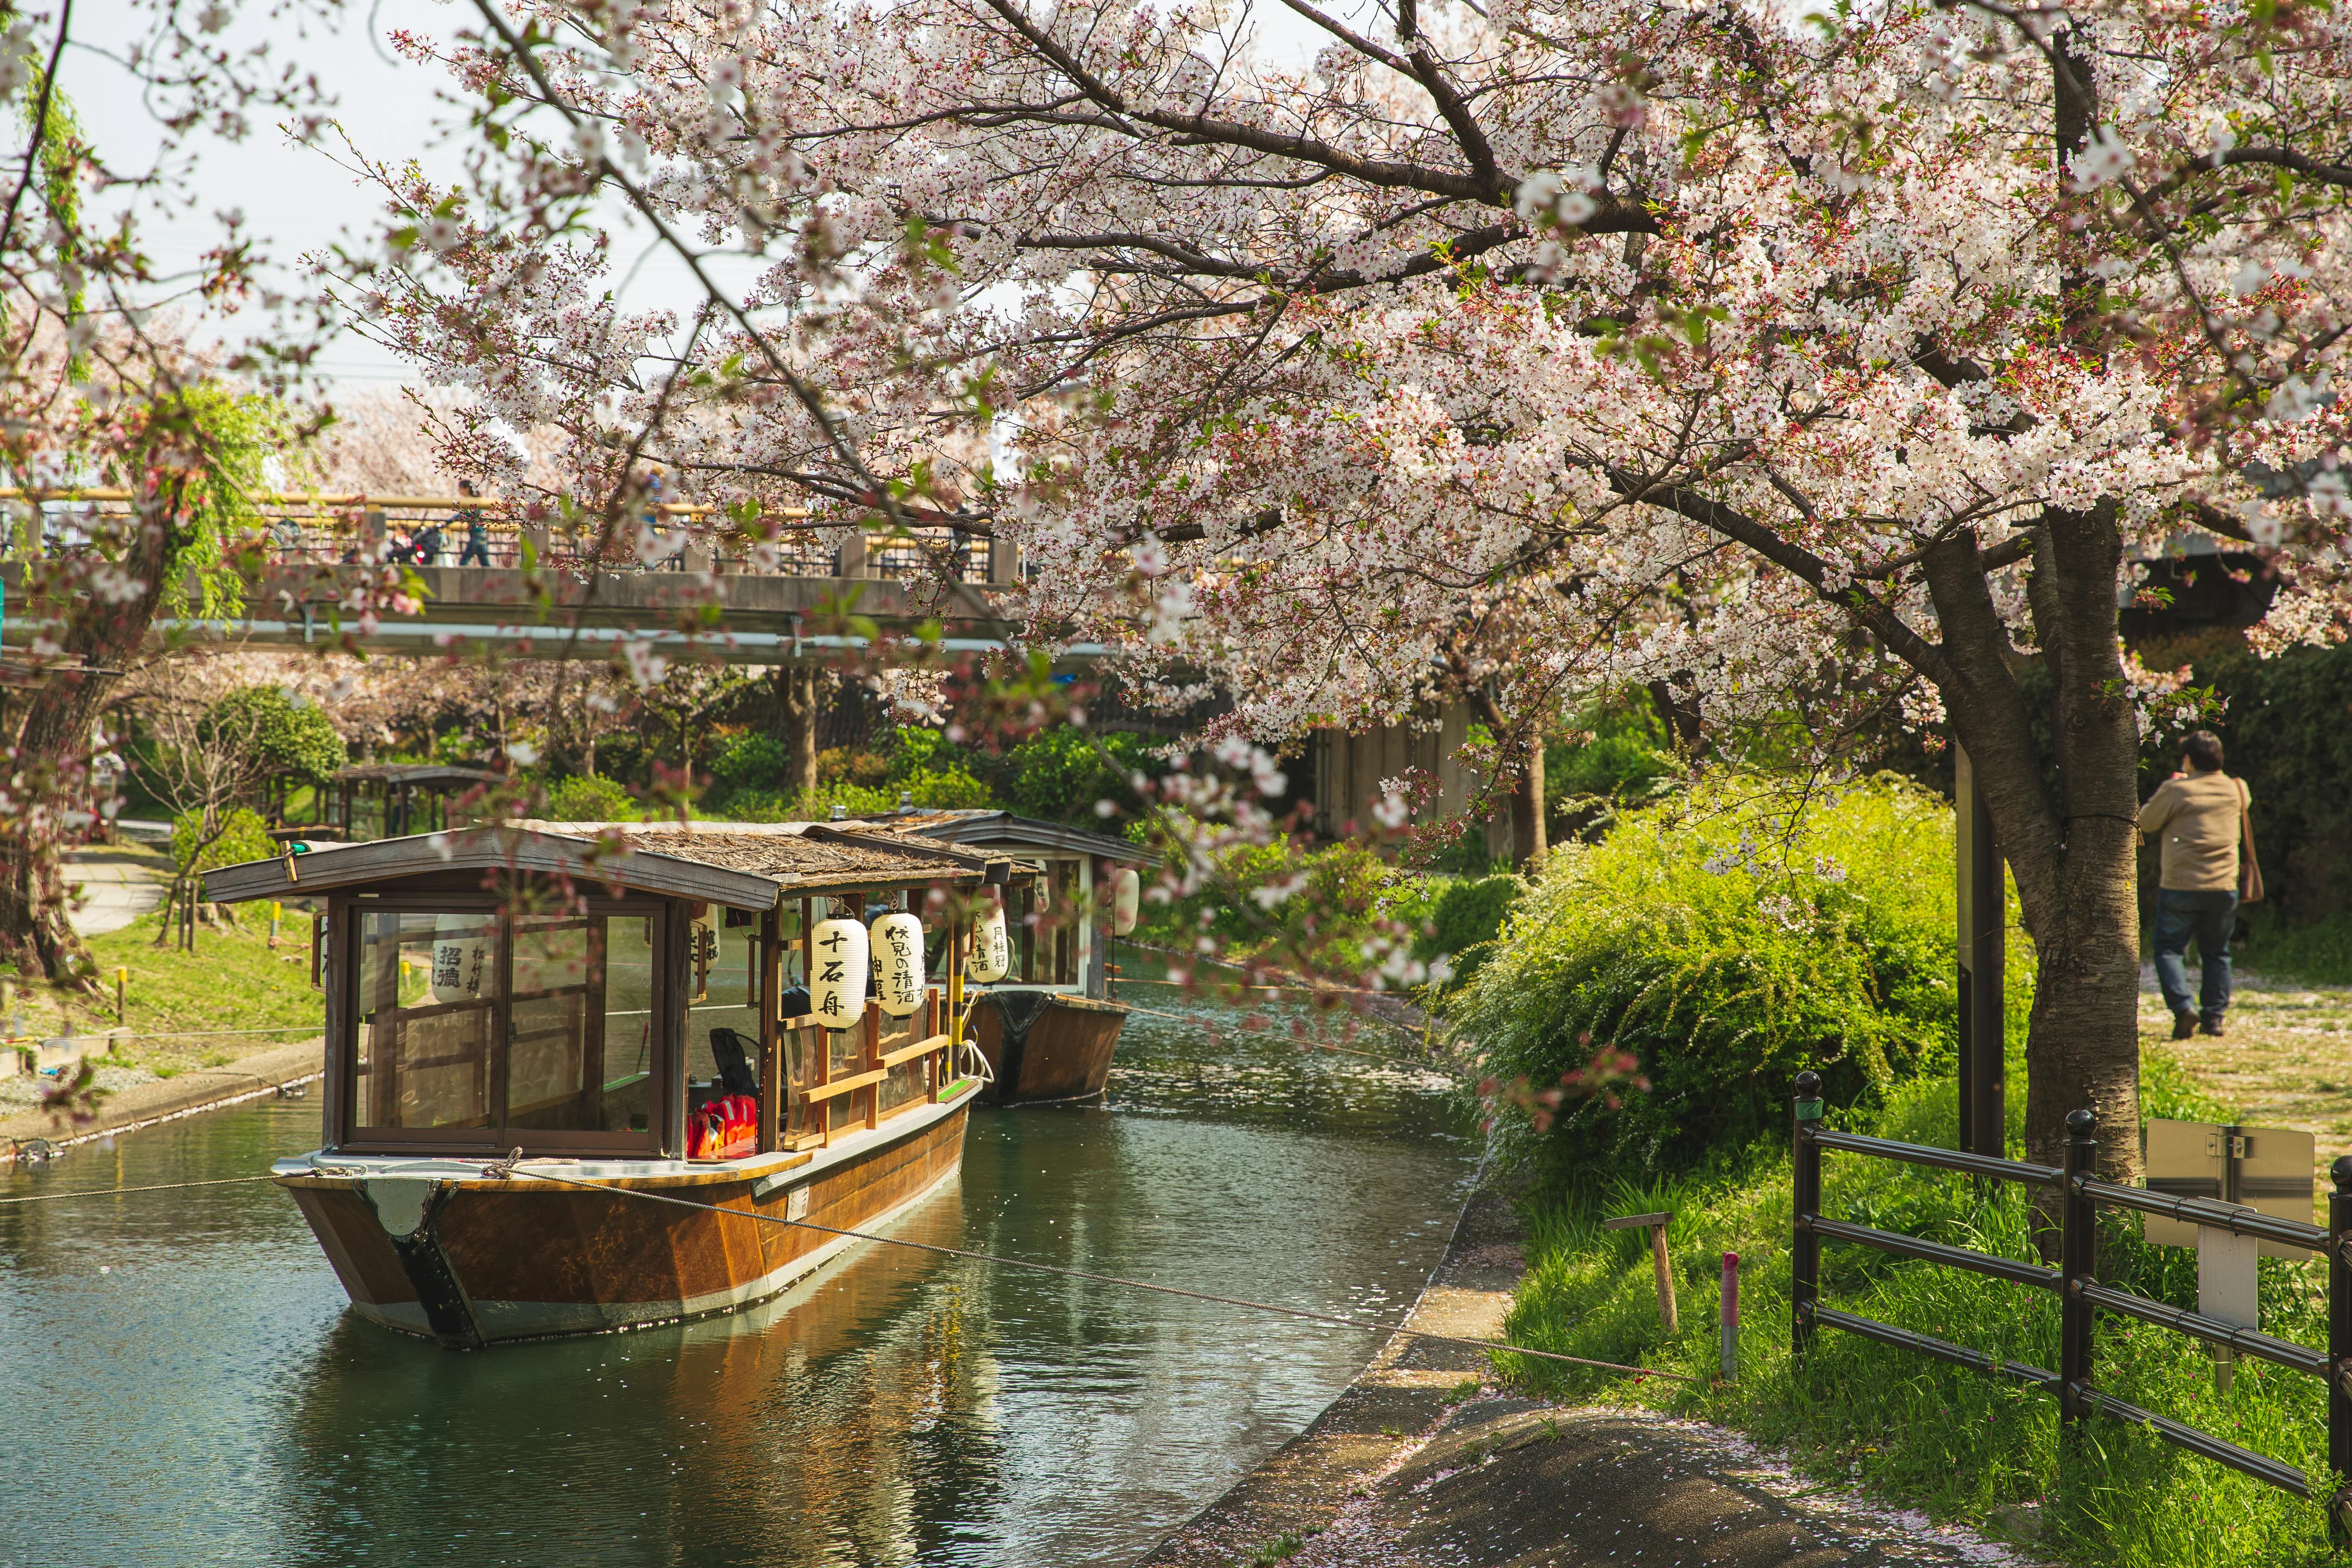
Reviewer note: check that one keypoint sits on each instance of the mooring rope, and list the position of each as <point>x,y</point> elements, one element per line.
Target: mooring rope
<point>113,1192</point>
<point>1302,1312</point>
<point>1108,1279</point>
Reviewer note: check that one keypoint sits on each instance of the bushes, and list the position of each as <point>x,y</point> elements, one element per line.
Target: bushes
<point>590,797</point>
<point>243,836</point>
<point>1725,950</point>
<point>1058,774</point>
<point>1466,917</point>
<point>294,737</point>
<point>1336,911</point>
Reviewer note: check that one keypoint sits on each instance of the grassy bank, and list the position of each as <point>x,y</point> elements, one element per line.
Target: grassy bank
<point>234,980</point>
<point>1954,1443</point>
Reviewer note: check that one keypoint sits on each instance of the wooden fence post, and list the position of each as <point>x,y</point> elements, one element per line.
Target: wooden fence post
<point>2078,1251</point>
<point>1805,1244</point>
<point>2340,1347</point>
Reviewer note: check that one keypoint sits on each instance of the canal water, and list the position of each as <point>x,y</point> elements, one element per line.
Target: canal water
<point>182,1384</point>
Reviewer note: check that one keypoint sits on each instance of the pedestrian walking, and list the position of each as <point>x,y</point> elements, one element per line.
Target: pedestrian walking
<point>2203,819</point>
<point>477,529</point>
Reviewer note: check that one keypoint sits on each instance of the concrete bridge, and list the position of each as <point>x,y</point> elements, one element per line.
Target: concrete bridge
<point>736,616</point>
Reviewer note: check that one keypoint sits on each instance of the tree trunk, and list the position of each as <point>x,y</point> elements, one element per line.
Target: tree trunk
<point>2073,853</point>
<point>796,708</point>
<point>1528,807</point>
<point>52,761</point>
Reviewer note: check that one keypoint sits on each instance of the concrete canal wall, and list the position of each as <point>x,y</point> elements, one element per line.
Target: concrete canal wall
<point>1422,1462</point>
<point>256,1075</point>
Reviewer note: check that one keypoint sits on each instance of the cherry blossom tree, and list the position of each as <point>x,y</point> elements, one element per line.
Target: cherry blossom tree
<point>113,379</point>
<point>1838,361</point>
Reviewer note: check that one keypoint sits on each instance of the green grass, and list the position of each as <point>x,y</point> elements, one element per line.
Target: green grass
<point>2319,953</point>
<point>233,980</point>
<point>1955,1443</point>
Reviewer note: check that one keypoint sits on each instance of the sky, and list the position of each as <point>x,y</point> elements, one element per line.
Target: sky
<point>296,201</point>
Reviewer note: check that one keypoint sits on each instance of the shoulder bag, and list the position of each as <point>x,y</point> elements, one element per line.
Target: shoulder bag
<point>2250,870</point>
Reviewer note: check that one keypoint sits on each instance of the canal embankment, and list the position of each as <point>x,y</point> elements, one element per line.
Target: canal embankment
<point>273,1070</point>
<point>1423,1459</point>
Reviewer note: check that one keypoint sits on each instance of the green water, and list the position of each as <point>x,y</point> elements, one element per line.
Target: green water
<point>182,1384</point>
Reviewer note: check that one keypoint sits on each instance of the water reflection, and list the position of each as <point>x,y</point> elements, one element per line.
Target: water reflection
<point>211,1401</point>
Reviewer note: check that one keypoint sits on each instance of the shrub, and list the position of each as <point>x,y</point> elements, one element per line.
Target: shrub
<point>848,765</point>
<point>294,736</point>
<point>1726,950</point>
<point>1466,917</point>
<point>949,789</point>
<point>751,761</point>
<point>775,806</point>
<point>244,837</point>
<point>1060,772</point>
<point>590,797</point>
<point>1333,911</point>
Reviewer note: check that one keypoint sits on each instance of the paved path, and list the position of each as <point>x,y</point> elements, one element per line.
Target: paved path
<point>2285,1062</point>
<point>120,882</point>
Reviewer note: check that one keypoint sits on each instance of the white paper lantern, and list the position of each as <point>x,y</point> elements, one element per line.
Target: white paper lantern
<point>898,964</point>
<point>1126,900</point>
<point>837,990</point>
<point>992,950</point>
<point>464,952</point>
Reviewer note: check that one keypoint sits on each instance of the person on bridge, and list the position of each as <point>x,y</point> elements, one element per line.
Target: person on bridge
<point>2200,815</point>
<point>477,529</point>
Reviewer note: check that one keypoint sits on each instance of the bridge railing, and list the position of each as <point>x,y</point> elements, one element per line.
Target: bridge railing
<point>319,530</point>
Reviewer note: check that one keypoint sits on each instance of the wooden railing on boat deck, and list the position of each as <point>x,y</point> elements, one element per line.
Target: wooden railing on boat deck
<point>912,1060</point>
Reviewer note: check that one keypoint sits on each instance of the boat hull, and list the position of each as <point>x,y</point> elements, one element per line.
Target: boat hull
<point>1045,1046</point>
<point>471,1262</point>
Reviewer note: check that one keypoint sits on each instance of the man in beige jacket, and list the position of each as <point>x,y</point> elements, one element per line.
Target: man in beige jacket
<point>2195,815</point>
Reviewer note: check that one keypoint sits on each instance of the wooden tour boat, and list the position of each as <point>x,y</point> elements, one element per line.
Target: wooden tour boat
<point>1049,1026</point>
<point>558,1070</point>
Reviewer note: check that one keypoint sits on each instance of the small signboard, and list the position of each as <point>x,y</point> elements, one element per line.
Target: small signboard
<point>2266,1169</point>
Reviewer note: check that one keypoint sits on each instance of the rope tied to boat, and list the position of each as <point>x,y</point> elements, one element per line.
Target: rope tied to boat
<point>504,1170</point>
<point>1301,1312</point>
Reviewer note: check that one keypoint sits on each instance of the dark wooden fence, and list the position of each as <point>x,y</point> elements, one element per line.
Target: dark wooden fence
<point>2081,1298</point>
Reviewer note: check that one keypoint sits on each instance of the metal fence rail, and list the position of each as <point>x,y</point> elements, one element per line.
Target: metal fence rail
<point>2080,1295</point>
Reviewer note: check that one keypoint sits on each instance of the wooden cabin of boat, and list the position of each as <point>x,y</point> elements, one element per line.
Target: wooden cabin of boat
<point>1049,1028</point>
<point>534,1034</point>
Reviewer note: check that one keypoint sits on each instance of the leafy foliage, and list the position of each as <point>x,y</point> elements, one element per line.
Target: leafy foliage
<point>1466,917</point>
<point>1060,772</point>
<point>242,836</point>
<point>1725,945</point>
<point>1337,909</point>
<point>294,737</point>
<point>590,797</point>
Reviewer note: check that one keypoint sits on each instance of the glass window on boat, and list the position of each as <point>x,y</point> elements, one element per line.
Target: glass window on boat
<point>1046,948</point>
<point>722,1019</point>
<point>580,1024</point>
<point>428,988</point>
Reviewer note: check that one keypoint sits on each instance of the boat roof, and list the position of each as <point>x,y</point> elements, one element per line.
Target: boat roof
<point>414,773</point>
<point>740,865</point>
<point>994,828</point>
